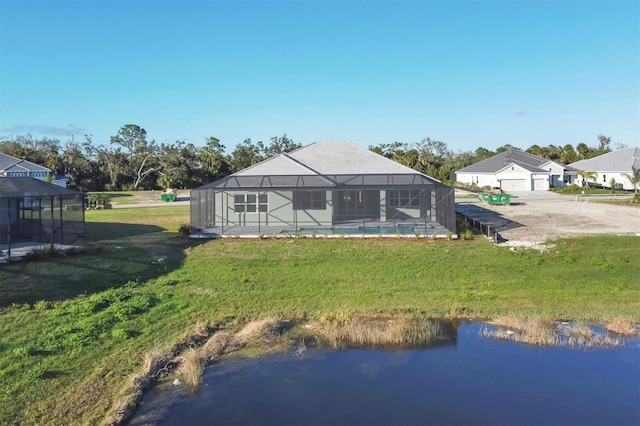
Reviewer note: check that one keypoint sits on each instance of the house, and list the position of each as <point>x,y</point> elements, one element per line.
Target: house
<point>15,167</point>
<point>612,165</point>
<point>323,186</point>
<point>39,213</point>
<point>514,170</point>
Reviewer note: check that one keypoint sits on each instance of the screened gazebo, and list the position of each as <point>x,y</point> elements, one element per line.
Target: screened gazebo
<point>37,213</point>
<point>326,188</point>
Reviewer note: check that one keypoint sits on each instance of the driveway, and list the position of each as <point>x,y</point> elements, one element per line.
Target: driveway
<point>533,218</point>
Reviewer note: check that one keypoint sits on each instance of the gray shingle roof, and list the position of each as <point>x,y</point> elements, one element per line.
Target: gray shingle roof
<point>617,161</point>
<point>324,164</point>
<point>498,162</point>
<point>328,158</point>
<point>9,163</point>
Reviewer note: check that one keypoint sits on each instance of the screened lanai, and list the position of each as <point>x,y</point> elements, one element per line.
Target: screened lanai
<point>34,213</point>
<point>288,195</point>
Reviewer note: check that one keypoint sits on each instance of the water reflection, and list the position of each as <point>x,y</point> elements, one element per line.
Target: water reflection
<point>472,381</point>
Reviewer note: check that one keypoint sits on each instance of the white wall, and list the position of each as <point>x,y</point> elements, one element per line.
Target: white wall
<point>511,172</point>
<point>478,179</point>
<point>604,178</point>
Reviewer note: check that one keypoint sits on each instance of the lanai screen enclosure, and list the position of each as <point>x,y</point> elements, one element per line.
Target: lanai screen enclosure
<point>324,188</point>
<point>35,211</point>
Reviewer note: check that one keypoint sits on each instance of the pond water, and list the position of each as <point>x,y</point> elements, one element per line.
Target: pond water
<point>470,381</point>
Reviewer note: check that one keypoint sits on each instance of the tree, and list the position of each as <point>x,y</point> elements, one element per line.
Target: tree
<point>612,185</point>
<point>138,151</point>
<point>634,179</point>
<point>77,167</point>
<point>278,146</point>
<point>586,176</point>
<point>432,152</point>
<point>568,155</point>
<point>504,148</point>
<point>112,163</point>
<point>583,150</point>
<point>246,154</point>
<point>604,143</point>
<point>535,150</point>
<point>215,164</point>
<point>388,149</point>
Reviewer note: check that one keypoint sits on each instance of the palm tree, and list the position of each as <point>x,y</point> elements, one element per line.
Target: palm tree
<point>612,184</point>
<point>586,176</point>
<point>634,178</point>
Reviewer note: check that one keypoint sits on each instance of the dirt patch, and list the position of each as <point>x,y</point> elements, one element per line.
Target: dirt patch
<point>531,221</point>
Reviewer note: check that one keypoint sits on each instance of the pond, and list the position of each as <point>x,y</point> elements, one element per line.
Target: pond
<point>471,380</point>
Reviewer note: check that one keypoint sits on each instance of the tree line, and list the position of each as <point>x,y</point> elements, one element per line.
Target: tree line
<point>132,162</point>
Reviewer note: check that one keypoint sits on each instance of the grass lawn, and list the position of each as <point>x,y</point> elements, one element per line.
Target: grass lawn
<point>140,197</point>
<point>73,330</point>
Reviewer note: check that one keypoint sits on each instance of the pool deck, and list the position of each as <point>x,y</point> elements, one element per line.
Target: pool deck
<point>353,229</point>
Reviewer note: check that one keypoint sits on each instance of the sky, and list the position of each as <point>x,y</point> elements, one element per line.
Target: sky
<point>470,73</point>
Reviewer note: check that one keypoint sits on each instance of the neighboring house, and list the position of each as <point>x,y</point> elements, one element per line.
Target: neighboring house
<point>514,170</point>
<point>32,210</point>
<point>321,185</point>
<point>610,165</point>
<point>15,167</point>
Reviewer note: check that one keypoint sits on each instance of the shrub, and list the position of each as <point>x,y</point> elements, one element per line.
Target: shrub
<point>21,351</point>
<point>120,333</point>
<point>42,305</point>
<point>35,372</point>
<point>184,229</point>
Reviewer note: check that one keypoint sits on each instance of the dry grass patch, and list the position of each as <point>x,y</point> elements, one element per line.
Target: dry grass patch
<point>623,326</point>
<point>362,331</point>
<point>543,331</point>
<point>191,367</point>
<point>260,331</point>
<point>154,361</point>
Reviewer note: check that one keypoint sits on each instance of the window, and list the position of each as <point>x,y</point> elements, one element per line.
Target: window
<point>251,203</point>
<point>604,178</point>
<point>404,198</point>
<point>309,200</point>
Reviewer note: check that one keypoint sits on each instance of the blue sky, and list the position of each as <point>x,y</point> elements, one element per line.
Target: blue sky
<point>470,73</point>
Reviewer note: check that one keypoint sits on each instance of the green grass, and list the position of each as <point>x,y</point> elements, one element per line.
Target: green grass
<point>592,191</point>
<point>139,197</point>
<point>72,330</point>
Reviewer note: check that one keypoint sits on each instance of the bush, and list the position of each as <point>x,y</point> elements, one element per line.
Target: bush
<point>184,229</point>
<point>120,333</point>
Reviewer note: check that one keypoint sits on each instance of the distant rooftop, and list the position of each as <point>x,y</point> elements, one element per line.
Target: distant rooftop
<point>499,161</point>
<point>617,161</point>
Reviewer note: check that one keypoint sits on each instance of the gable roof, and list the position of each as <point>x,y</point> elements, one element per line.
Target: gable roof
<point>27,186</point>
<point>323,164</point>
<point>494,164</point>
<point>9,163</point>
<point>617,161</point>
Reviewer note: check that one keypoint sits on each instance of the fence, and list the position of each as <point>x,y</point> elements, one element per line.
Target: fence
<point>481,227</point>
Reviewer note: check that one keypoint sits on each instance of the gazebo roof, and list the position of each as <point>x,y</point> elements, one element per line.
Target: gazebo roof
<point>11,187</point>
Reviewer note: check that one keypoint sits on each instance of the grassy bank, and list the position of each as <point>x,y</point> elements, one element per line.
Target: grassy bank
<point>72,330</point>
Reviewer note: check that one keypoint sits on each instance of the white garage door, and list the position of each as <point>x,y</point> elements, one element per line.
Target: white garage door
<point>540,185</point>
<point>513,184</point>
